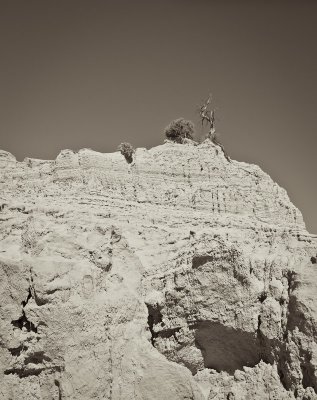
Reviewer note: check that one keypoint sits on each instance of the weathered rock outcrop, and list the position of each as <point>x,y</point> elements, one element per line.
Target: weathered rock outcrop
<point>178,276</point>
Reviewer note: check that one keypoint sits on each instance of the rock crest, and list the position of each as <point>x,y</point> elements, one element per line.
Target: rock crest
<point>178,276</point>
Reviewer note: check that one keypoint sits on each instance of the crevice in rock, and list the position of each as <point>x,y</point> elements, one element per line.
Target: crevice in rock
<point>258,331</point>
<point>23,322</point>
<point>293,283</point>
<point>308,371</point>
<point>57,384</point>
<point>283,361</point>
<point>26,372</point>
<point>283,378</point>
<point>285,367</point>
<point>22,372</point>
<point>38,301</point>
<point>295,316</point>
<point>285,357</point>
<point>29,296</point>
<point>297,312</point>
<point>154,318</point>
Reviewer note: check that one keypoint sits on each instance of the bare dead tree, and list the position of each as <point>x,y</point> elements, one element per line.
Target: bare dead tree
<point>207,116</point>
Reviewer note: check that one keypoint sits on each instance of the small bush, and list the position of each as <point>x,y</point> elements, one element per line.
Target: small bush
<point>127,151</point>
<point>179,130</point>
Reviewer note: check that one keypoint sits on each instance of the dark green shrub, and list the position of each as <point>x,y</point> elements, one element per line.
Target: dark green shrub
<point>179,130</point>
<point>127,151</point>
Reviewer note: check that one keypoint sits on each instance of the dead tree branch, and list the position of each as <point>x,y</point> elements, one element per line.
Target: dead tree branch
<point>207,116</point>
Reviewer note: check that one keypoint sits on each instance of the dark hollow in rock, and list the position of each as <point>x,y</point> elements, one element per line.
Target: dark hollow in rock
<point>23,322</point>
<point>37,358</point>
<point>226,349</point>
<point>262,296</point>
<point>16,351</point>
<point>199,260</point>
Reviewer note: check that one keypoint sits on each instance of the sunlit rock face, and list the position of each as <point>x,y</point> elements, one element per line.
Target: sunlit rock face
<point>181,275</point>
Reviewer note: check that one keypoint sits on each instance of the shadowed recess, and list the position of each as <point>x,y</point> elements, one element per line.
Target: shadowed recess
<point>226,349</point>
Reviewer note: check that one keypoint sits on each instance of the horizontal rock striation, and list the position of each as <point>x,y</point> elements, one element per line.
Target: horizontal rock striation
<point>180,275</point>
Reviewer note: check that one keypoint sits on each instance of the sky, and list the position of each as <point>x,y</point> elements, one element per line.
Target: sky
<point>94,73</point>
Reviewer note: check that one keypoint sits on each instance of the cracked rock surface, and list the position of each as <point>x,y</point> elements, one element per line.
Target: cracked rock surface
<point>180,275</point>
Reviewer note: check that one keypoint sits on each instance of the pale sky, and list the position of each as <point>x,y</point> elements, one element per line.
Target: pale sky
<point>95,73</point>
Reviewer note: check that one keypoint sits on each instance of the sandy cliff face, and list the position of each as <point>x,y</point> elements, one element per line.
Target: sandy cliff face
<point>179,276</point>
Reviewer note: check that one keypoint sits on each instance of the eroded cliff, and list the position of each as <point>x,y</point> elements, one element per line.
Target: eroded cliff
<point>178,276</point>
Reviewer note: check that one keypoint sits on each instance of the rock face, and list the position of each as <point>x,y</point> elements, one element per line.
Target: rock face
<point>179,276</point>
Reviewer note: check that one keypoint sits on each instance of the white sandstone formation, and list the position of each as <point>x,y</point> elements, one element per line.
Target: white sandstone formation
<point>179,276</point>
